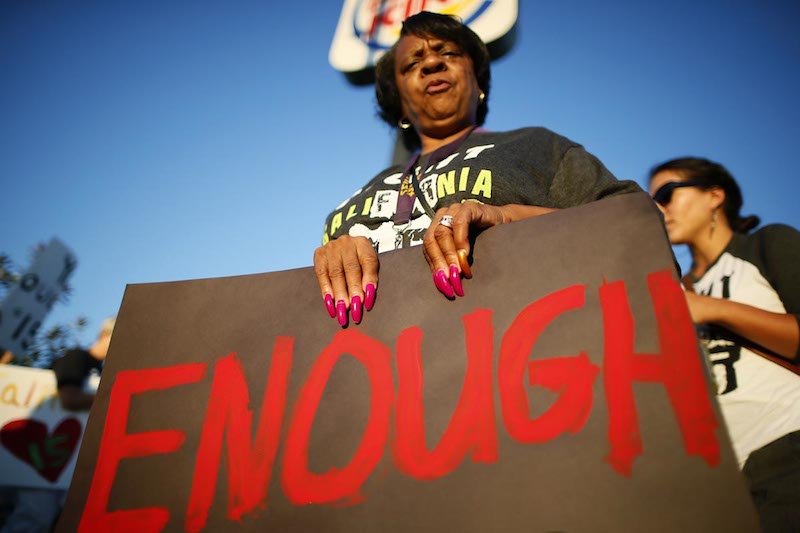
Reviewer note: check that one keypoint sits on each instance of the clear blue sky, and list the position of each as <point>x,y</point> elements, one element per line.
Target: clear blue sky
<point>178,140</point>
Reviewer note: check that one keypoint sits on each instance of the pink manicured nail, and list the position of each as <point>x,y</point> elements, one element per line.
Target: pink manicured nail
<point>355,308</point>
<point>329,305</point>
<point>440,280</point>
<point>341,313</point>
<point>437,282</point>
<point>369,296</point>
<point>455,280</point>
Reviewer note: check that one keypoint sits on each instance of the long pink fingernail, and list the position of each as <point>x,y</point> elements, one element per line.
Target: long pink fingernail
<point>440,280</point>
<point>369,296</point>
<point>341,313</point>
<point>355,308</point>
<point>455,280</point>
<point>329,305</point>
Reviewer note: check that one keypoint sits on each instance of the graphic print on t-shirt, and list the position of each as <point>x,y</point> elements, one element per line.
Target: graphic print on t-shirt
<point>723,354</point>
<point>371,212</point>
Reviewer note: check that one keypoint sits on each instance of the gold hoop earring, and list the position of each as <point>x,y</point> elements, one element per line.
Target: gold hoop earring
<point>482,96</point>
<point>404,123</point>
<point>713,222</point>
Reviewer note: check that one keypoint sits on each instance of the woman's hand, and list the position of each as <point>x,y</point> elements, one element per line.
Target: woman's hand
<point>700,307</point>
<point>347,272</point>
<point>446,242</point>
<point>778,332</point>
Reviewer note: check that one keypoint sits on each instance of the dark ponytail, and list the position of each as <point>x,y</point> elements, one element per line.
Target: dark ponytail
<point>709,175</point>
<point>745,224</point>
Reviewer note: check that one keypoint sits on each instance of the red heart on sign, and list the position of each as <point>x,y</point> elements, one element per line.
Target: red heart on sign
<point>47,453</point>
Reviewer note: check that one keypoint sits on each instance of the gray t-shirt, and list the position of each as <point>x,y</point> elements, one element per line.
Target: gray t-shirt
<point>529,166</point>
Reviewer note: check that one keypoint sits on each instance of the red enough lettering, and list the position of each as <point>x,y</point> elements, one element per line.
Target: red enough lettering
<point>472,427</point>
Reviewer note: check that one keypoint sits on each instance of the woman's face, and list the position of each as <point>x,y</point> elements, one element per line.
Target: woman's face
<point>688,212</point>
<point>437,85</point>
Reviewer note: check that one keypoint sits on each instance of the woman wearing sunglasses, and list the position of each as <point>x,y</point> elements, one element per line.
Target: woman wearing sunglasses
<point>743,292</point>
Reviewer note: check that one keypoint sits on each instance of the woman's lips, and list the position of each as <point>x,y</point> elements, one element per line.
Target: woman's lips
<point>437,86</point>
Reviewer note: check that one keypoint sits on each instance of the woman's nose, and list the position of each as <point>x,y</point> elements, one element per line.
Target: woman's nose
<point>432,64</point>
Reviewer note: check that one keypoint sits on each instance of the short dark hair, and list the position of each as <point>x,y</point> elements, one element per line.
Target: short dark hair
<point>710,175</point>
<point>445,27</point>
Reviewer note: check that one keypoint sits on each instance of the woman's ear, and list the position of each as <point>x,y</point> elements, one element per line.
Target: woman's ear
<point>717,197</point>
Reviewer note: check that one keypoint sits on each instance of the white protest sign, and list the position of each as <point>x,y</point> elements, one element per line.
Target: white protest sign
<point>28,302</point>
<point>38,439</point>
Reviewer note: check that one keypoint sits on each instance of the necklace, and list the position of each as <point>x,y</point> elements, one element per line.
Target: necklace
<point>411,175</point>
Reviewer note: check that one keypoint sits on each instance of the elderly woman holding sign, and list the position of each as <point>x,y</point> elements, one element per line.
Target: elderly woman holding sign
<point>434,85</point>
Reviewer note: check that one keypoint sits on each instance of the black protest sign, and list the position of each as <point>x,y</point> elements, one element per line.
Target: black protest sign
<point>564,392</point>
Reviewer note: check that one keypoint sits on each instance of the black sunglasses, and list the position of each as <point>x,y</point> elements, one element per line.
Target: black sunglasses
<point>664,194</point>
